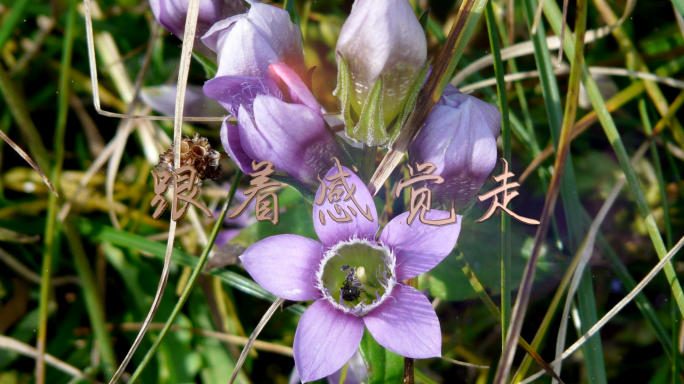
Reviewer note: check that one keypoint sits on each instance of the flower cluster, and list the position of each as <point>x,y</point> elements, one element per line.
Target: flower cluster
<point>354,275</point>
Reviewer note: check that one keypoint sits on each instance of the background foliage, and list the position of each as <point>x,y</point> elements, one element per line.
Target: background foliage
<point>105,274</point>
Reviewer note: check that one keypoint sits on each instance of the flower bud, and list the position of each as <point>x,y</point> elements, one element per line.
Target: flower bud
<point>171,15</point>
<point>291,135</point>
<point>248,43</point>
<point>459,138</point>
<point>381,53</point>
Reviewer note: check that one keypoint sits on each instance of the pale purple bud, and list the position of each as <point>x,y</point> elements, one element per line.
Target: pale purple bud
<point>459,138</point>
<point>382,38</point>
<point>171,15</point>
<point>248,43</point>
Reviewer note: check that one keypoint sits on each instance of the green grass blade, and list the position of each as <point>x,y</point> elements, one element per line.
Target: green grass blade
<point>90,295</point>
<point>51,227</point>
<point>506,136</point>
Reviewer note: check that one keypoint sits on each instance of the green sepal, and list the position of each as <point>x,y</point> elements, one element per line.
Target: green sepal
<point>409,104</point>
<point>342,93</point>
<point>371,126</point>
<point>383,366</point>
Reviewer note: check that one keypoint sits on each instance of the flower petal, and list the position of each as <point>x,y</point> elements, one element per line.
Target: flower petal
<point>406,324</point>
<point>330,231</point>
<point>233,91</point>
<point>296,88</point>
<point>325,339</point>
<point>275,26</point>
<point>285,265</point>
<point>230,138</point>
<point>243,51</point>
<point>420,247</point>
<point>210,39</point>
<point>295,139</point>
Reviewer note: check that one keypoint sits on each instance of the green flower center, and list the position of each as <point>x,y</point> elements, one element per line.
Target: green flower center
<point>357,275</point>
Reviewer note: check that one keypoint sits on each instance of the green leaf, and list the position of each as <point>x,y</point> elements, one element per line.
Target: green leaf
<point>423,20</point>
<point>383,365</point>
<point>97,232</point>
<point>209,66</point>
<point>371,126</point>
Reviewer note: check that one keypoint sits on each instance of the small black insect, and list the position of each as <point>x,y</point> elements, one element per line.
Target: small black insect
<point>350,286</point>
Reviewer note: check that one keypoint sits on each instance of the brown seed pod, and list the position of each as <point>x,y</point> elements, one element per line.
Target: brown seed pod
<point>196,152</point>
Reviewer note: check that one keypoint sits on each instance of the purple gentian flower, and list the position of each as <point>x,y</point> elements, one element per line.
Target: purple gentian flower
<point>382,38</point>
<point>171,15</point>
<point>291,135</point>
<point>248,43</point>
<point>398,316</point>
<point>459,138</point>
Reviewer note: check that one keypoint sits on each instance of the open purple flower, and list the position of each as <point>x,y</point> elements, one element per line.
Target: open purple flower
<point>355,278</point>
<point>291,134</point>
<point>248,43</point>
<point>459,138</point>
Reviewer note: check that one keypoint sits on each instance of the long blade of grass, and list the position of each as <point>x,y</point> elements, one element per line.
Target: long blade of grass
<point>616,309</point>
<point>185,61</point>
<point>90,294</point>
<point>444,67</point>
<point>191,282</point>
<point>553,16</point>
<point>494,310</point>
<point>252,338</point>
<point>504,366</point>
<point>51,230</point>
<point>506,138</point>
<point>29,160</point>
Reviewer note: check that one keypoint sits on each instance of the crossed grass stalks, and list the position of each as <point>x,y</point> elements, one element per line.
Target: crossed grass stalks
<point>444,67</point>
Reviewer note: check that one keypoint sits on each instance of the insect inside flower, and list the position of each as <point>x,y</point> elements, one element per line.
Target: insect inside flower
<point>351,287</point>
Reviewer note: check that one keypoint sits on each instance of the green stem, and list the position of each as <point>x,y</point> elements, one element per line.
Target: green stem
<point>193,278</point>
<point>506,136</point>
<point>51,225</point>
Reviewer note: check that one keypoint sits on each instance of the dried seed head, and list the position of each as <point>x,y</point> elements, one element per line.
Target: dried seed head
<point>196,152</point>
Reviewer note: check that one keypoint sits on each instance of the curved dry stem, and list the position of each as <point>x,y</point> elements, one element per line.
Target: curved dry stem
<point>252,338</point>
<point>27,350</point>
<point>225,337</point>
<point>186,56</point>
<point>671,81</point>
<point>29,160</point>
<point>464,364</point>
